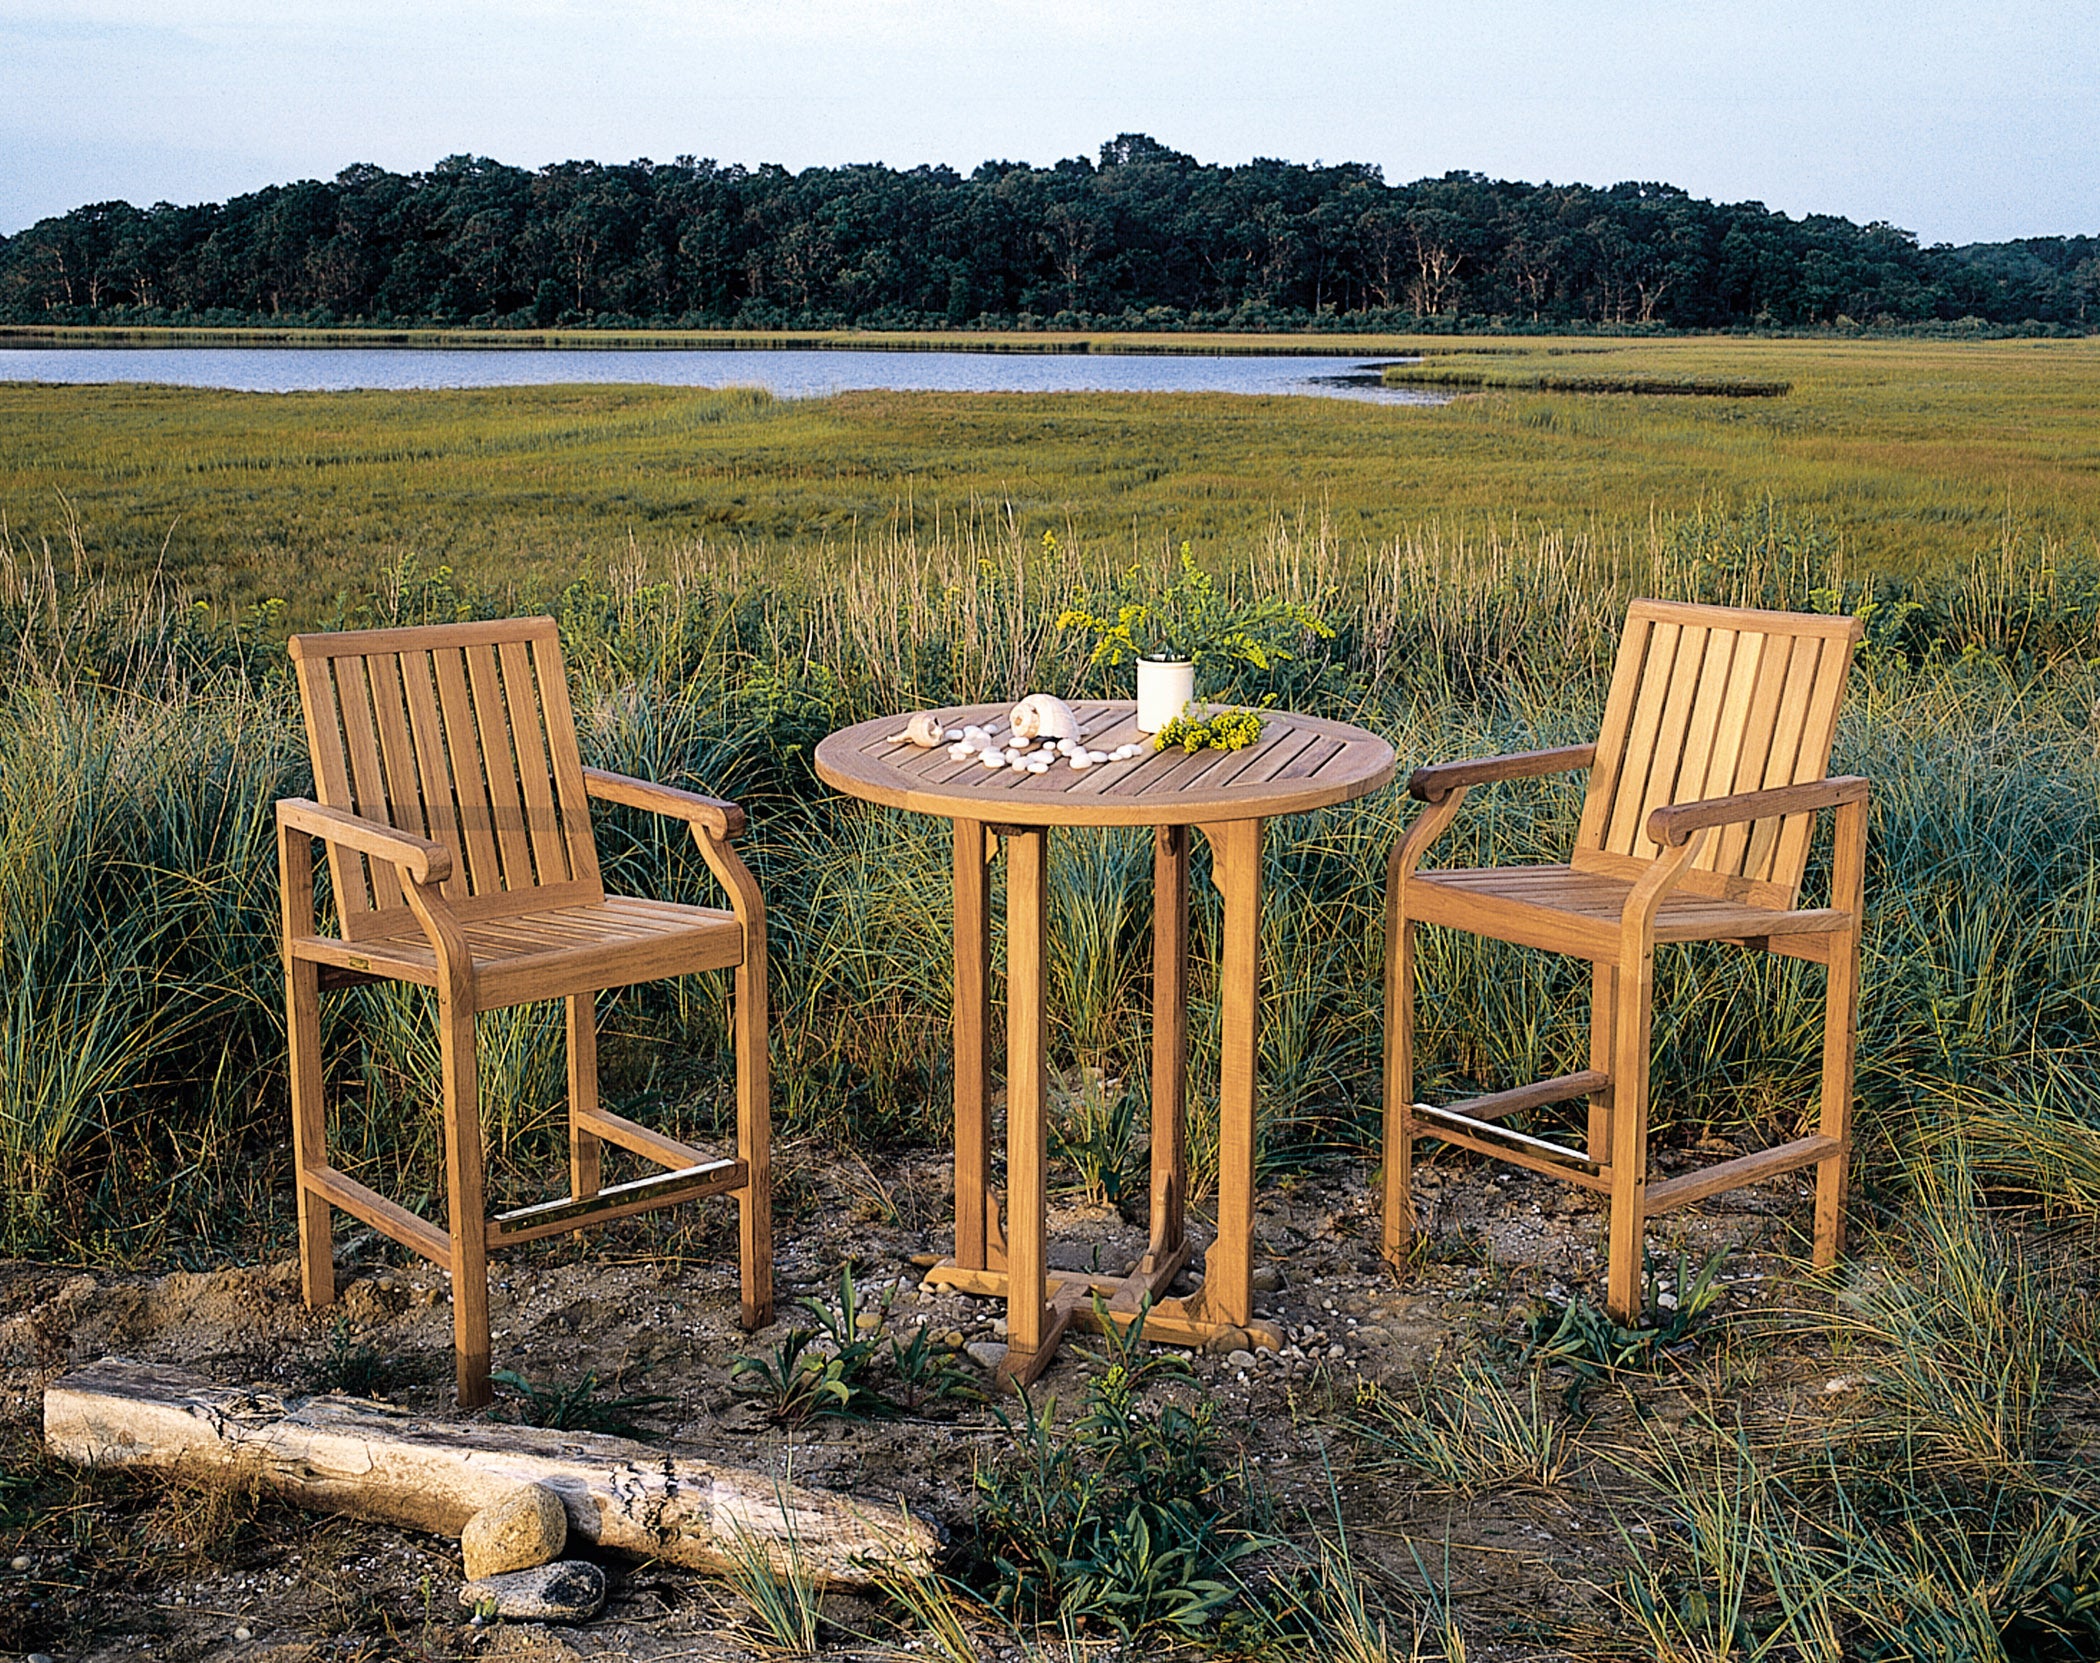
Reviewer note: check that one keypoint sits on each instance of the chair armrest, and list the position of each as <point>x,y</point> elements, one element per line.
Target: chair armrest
<point>424,861</point>
<point>1435,783</point>
<point>723,819</point>
<point>1673,825</point>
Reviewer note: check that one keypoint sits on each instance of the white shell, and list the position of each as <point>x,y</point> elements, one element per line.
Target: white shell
<point>1044,716</point>
<point>993,759</point>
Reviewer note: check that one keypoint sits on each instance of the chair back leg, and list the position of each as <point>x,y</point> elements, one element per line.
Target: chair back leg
<point>1399,1084</point>
<point>586,1150</point>
<point>302,1026</point>
<point>466,1203</point>
<point>1604,1020</point>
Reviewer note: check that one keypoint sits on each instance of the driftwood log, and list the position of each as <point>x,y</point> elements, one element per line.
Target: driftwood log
<point>342,1455</point>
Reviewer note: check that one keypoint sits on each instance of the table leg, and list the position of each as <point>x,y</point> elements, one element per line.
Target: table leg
<point>1032,1329</point>
<point>1170,1043</point>
<point>973,946</point>
<point>1228,1291</point>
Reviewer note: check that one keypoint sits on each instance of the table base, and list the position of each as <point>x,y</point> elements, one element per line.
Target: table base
<point>1080,1302</point>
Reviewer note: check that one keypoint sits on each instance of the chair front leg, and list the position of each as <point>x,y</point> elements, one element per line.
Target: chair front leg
<point>1399,1080</point>
<point>754,1132</point>
<point>1840,1029</point>
<point>754,1079</point>
<point>302,1032</point>
<point>1632,1035</point>
<point>465,1199</point>
<point>1633,1019</point>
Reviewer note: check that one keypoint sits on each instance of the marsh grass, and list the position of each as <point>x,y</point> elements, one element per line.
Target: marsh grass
<point>143,740</point>
<point>146,738</point>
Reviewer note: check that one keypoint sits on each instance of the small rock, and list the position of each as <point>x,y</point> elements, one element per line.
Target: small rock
<point>1239,1359</point>
<point>22,1562</point>
<point>992,759</point>
<point>1335,1354</point>
<point>1374,1335</point>
<point>1097,756</point>
<point>523,1528</point>
<point>999,1327</point>
<point>953,1339</point>
<point>867,1322</point>
<point>243,1633</point>
<point>1267,1278</point>
<point>986,1354</point>
<point>38,1657</point>
<point>1081,760</point>
<point>567,1591</point>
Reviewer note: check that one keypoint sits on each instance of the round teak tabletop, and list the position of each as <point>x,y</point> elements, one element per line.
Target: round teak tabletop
<point>1299,762</point>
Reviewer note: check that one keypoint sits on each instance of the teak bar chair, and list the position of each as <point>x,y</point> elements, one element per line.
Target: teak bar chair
<point>1704,785</point>
<point>456,810</point>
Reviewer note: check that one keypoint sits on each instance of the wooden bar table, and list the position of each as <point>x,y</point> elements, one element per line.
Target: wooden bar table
<point>1298,763</point>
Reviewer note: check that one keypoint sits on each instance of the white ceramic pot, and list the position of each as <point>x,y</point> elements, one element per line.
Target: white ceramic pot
<point>1165,687</point>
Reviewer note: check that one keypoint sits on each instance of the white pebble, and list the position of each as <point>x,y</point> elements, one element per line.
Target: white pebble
<point>1018,763</point>
<point>1097,756</point>
<point>1039,767</point>
<point>1081,760</point>
<point>953,735</point>
<point>22,1562</point>
<point>975,735</point>
<point>961,753</point>
<point>242,1633</point>
<point>1064,747</point>
<point>1124,753</point>
<point>993,759</point>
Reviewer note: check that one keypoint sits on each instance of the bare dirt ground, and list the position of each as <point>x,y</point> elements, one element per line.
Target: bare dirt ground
<point>122,1568</point>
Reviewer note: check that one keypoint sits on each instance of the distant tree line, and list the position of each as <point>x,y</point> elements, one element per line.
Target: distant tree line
<point>1143,238</point>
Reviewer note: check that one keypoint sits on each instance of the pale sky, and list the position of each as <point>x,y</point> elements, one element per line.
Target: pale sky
<point>1961,123</point>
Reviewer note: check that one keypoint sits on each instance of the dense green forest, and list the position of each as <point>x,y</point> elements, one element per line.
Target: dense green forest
<point>1145,237</point>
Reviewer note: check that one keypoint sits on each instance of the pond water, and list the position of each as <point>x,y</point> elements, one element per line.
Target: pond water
<point>790,373</point>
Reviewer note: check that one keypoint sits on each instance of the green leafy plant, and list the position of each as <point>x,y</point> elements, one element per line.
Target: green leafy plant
<point>1225,730</point>
<point>1580,1337</point>
<point>828,1370</point>
<point>1094,1127</point>
<point>1191,617</point>
<point>926,1372</point>
<point>577,1407</point>
<point>1132,1520</point>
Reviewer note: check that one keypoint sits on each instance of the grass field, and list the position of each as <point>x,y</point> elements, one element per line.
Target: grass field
<point>1912,457</point>
<point>1476,561</point>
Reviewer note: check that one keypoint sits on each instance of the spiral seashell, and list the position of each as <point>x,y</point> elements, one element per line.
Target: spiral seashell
<point>923,730</point>
<point>1043,716</point>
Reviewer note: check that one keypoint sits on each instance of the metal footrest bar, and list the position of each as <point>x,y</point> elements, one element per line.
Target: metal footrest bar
<point>661,1189</point>
<point>1523,1140</point>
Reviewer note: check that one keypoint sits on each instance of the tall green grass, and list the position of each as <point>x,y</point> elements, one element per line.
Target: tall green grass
<point>143,739</point>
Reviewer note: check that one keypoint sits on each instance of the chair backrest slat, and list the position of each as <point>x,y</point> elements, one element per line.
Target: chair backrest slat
<point>462,733</point>
<point>1708,702</point>
<point>507,803</point>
